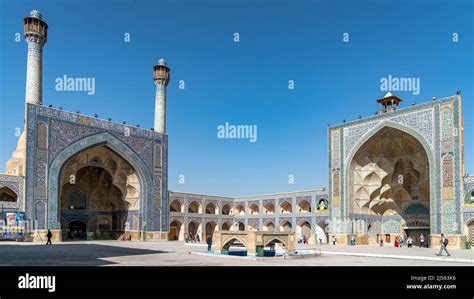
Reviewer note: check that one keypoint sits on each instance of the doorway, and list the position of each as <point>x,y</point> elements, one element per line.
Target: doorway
<point>416,233</point>
<point>77,230</point>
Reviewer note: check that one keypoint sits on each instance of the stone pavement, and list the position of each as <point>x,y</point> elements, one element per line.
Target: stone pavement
<point>162,253</point>
<point>414,253</point>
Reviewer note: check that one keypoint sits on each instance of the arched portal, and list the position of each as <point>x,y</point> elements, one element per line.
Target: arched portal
<point>211,228</point>
<point>140,197</point>
<point>253,209</point>
<point>240,209</point>
<point>285,207</point>
<point>77,230</point>
<point>226,209</point>
<point>303,229</point>
<point>211,208</point>
<point>194,230</point>
<point>7,194</point>
<point>269,208</point>
<point>241,226</point>
<point>253,225</point>
<point>235,242</point>
<point>304,206</point>
<point>322,232</point>
<point>285,226</point>
<point>194,207</point>
<point>268,226</point>
<point>100,187</point>
<point>176,231</point>
<point>226,226</point>
<point>176,206</point>
<point>389,172</point>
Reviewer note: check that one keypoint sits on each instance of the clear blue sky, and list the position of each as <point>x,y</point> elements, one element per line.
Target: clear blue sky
<point>241,83</point>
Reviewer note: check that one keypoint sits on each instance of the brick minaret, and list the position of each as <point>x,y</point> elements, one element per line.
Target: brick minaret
<point>36,34</point>
<point>161,76</point>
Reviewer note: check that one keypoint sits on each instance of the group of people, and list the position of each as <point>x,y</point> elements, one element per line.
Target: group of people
<point>303,240</point>
<point>192,239</point>
<point>400,240</point>
<point>76,234</point>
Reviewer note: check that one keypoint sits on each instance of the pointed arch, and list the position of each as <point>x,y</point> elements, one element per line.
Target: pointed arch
<point>304,206</point>
<point>268,225</point>
<point>425,145</point>
<point>119,147</point>
<point>176,206</point>
<point>278,240</point>
<point>285,226</point>
<point>231,241</point>
<point>226,209</point>
<point>211,208</point>
<point>194,207</point>
<point>253,209</point>
<point>286,207</point>
<point>7,194</point>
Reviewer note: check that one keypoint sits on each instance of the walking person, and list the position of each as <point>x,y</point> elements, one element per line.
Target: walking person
<point>396,242</point>
<point>333,240</point>
<point>401,241</point>
<point>198,240</point>
<point>422,240</point>
<point>381,241</point>
<point>410,242</point>
<point>444,244</point>
<point>209,243</point>
<point>49,235</point>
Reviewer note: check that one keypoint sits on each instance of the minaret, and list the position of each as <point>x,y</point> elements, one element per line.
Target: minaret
<point>161,76</point>
<point>36,34</point>
<point>388,103</point>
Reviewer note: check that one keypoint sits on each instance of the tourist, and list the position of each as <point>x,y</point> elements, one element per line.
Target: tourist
<point>396,242</point>
<point>304,239</point>
<point>198,240</point>
<point>381,242</point>
<point>444,244</point>
<point>400,242</point>
<point>49,235</point>
<point>410,242</point>
<point>333,240</point>
<point>209,243</point>
<point>422,240</point>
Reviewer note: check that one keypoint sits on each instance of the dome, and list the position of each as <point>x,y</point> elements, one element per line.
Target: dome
<point>162,62</point>
<point>36,14</point>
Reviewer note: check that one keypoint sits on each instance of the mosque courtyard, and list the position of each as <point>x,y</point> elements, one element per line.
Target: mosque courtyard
<point>162,253</point>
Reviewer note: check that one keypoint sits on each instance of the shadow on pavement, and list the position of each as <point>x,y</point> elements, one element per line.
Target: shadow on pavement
<point>64,254</point>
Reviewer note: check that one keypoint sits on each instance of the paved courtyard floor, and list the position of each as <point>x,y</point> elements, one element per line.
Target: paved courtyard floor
<point>109,253</point>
